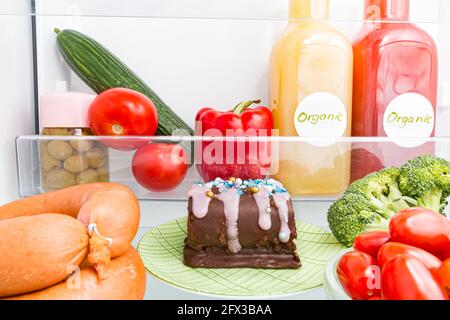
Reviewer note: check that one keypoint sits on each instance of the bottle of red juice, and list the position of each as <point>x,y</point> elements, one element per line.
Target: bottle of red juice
<point>395,87</point>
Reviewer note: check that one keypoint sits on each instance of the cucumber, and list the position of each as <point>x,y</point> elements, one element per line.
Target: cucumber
<point>101,70</point>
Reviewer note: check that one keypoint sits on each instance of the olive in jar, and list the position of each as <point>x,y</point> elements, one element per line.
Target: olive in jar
<point>48,162</point>
<point>58,178</point>
<point>60,150</point>
<point>88,176</point>
<point>76,164</point>
<point>82,145</point>
<point>96,157</point>
<point>103,174</point>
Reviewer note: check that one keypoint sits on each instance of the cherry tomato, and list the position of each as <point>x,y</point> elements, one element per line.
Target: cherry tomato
<point>375,298</point>
<point>407,278</point>
<point>393,249</point>
<point>446,254</point>
<point>371,242</point>
<point>421,228</point>
<point>356,273</point>
<point>444,275</point>
<point>123,112</point>
<point>160,166</point>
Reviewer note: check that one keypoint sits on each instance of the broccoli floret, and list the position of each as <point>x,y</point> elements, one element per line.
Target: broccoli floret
<point>370,203</point>
<point>367,205</point>
<point>425,182</point>
<point>382,191</point>
<point>352,215</point>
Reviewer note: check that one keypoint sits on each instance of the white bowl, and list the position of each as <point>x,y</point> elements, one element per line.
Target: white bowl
<point>333,287</point>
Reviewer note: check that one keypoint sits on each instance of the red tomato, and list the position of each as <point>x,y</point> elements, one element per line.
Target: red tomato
<point>375,298</point>
<point>357,273</point>
<point>371,242</point>
<point>363,163</point>
<point>407,278</point>
<point>447,253</point>
<point>421,228</point>
<point>393,249</point>
<point>160,166</point>
<point>444,275</point>
<point>123,112</point>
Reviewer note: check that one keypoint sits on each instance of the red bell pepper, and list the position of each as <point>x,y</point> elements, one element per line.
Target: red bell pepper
<point>224,158</point>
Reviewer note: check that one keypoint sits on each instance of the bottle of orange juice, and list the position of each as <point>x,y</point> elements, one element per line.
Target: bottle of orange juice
<point>311,96</point>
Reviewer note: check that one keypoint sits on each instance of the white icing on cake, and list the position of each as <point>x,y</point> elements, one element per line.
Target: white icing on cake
<point>200,201</point>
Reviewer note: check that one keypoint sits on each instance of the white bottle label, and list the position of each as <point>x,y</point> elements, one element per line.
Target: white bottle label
<point>321,115</point>
<point>409,115</point>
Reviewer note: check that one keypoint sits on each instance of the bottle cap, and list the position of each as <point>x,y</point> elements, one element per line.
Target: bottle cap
<point>65,110</point>
<point>386,10</point>
<point>306,9</point>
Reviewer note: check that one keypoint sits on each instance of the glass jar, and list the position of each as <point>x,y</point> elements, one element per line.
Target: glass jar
<point>65,163</point>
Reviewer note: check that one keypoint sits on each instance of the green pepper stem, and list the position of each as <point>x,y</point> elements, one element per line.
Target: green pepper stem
<point>242,106</point>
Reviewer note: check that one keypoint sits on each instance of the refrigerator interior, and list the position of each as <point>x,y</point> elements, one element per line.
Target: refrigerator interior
<point>193,53</point>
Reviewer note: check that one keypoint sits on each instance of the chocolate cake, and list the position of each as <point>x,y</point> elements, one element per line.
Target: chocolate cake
<point>241,224</point>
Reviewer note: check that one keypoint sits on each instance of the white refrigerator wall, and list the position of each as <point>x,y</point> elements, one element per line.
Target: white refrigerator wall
<point>444,68</point>
<point>190,63</point>
<point>16,87</point>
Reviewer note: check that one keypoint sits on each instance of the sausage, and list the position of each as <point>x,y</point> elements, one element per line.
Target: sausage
<point>126,281</point>
<point>109,210</point>
<point>39,251</point>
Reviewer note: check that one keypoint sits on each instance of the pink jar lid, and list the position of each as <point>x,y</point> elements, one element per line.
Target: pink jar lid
<point>65,110</point>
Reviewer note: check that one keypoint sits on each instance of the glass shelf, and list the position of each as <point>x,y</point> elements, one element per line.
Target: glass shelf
<point>312,169</point>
